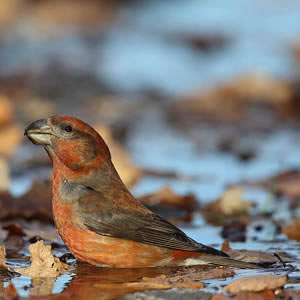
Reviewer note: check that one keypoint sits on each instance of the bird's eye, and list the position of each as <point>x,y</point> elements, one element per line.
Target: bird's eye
<point>68,128</point>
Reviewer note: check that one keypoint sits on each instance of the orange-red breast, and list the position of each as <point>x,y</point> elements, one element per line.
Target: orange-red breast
<point>95,214</point>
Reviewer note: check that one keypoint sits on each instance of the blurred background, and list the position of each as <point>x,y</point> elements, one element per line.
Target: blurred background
<point>193,97</point>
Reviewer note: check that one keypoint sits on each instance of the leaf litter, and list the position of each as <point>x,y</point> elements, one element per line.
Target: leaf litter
<point>43,263</point>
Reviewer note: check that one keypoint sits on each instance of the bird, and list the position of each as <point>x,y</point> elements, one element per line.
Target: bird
<point>97,217</point>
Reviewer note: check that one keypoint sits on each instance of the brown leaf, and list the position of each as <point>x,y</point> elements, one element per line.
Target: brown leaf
<point>6,106</point>
<point>241,95</point>
<point>231,202</point>
<point>127,170</point>
<point>256,283</point>
<point>293,230</point>
<point>2,257</point>
<point>191,274</point>
<point>264,295</point>
<point>252,256</point>
<point>43,263</point>
<point>11,136</point>
<point>229,205</point>
<point>4,175</point>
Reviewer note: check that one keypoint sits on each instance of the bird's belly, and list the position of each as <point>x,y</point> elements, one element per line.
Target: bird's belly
<point>97,249</point>
<point>113,252</point>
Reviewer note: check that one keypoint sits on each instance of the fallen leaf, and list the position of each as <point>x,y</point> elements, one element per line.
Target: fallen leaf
<point>252,256</point>
<point>6,106</point>
<point>43,263</point>
<point>4,175</point>
<point>11,136</point>
<point>240,95</point>
<point>293,230</point>
<point>230,204</point>
<point>194,273</point>
<point>2,257</point>
<point>256,283</point>
<point>264,295</point>
<point>127,170</point>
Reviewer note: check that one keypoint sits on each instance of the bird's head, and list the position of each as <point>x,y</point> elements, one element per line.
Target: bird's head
<point>69,141</point>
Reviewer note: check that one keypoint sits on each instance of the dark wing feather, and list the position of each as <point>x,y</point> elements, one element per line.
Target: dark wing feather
<point>103,217</point>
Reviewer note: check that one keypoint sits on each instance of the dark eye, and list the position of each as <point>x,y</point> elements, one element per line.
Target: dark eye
<point>68,128</point>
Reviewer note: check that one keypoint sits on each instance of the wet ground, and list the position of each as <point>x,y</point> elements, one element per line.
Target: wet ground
<point>140,72</point>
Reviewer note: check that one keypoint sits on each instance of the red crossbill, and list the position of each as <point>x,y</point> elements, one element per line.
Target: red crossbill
<point>97,217</point>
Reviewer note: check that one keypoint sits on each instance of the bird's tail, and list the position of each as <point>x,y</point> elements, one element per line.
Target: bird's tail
<point>229,262</point>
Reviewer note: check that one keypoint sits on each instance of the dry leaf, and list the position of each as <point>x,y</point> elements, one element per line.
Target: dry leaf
<point>293,230</point>
<point>264,295</point>
<point>256,283</point>
<point>127,170</point>
<point>240,95</point>
<point>43,263</point>
<point>252,256</point>
<point>10,137</point>
<point>229,205</point>
<point>4,175</point>
<point>189,277</point>
<point>6,106</point>
<point>2,257</point>
<point>231,202</point>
